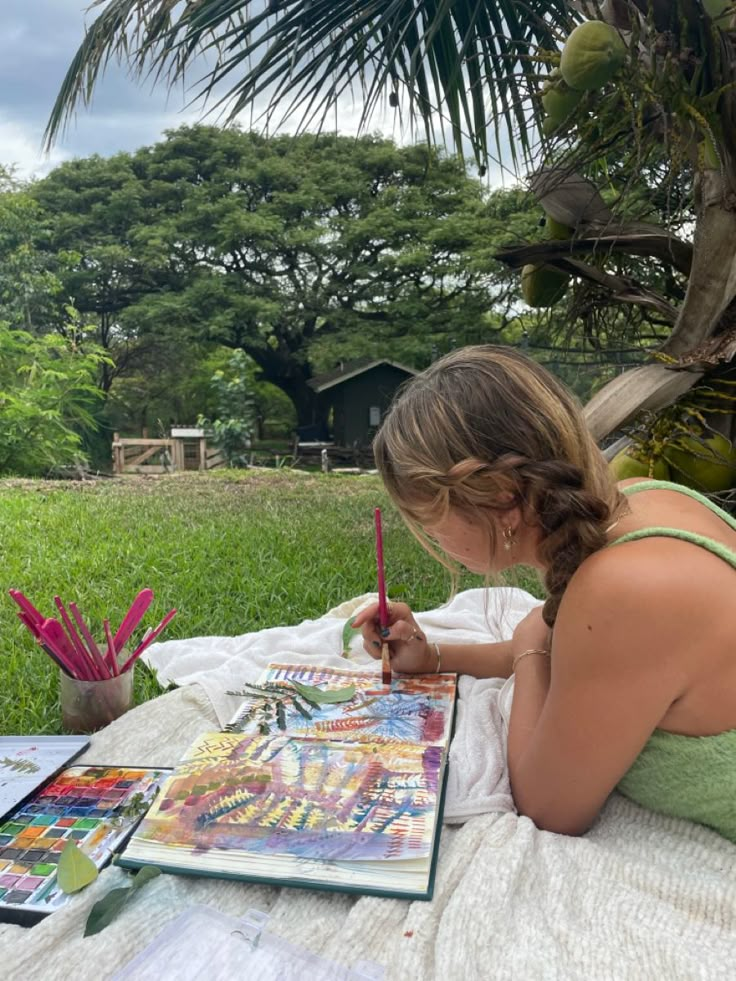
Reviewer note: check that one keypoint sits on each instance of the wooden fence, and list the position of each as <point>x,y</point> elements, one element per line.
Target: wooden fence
<point>155,456</point>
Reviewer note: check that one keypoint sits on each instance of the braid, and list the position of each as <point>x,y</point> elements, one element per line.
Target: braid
<point>572,518</point>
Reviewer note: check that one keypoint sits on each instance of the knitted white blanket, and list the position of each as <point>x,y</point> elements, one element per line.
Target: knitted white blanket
<point>639,897</point>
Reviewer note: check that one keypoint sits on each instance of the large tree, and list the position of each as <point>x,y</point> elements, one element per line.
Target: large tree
<point>287,248</point>
<point>670,111</point>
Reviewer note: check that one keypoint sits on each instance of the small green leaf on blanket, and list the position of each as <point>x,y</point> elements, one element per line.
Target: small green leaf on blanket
<point>348,632</point>
<point>108,908</point>
<point>145,875</point>
<point>105,910</point>
<point>324,696</point>
<point>76,870</point>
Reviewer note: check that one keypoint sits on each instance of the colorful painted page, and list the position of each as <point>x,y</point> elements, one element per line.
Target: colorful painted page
<point>415,709</point>
<point>93,806</point>
<point>27,761</point>
<point>351,801</point>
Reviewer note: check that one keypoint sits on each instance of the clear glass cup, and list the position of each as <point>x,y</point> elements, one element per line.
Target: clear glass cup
<point>87,706</point>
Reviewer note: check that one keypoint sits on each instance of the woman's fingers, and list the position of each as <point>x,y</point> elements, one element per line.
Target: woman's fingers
<point>369,613</point>
<point>396,611</point>
<point>404,630</point>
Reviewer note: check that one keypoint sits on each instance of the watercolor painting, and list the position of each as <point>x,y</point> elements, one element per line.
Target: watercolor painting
<point>416,708</point>
<point>307,796</point>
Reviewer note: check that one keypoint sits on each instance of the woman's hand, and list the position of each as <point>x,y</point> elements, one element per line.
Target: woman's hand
<point>410,651</point>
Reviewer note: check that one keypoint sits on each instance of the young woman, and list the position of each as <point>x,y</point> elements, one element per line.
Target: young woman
<point>626,676</point>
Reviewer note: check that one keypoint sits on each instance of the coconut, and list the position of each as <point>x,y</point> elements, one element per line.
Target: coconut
<point>542,286</point>
<point>592,55</point>
<point>556,230</point>
<point>705,465</point>
<point>629,463</point>
<point>559,100</point>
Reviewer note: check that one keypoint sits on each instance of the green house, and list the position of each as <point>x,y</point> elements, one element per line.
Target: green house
<point>356,396</point>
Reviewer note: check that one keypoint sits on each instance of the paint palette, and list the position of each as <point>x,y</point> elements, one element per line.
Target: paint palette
<point>96,807</point>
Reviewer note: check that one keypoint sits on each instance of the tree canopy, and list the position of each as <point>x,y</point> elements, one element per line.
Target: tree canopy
<point>270,246</point>
<point>663,116</point>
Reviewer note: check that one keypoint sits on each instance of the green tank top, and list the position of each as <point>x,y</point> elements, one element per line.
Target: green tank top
<point>691,777</point>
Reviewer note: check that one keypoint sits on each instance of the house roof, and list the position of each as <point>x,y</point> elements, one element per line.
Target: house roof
<point>349,369</point>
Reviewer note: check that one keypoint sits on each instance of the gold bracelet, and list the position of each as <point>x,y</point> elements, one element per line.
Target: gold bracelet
<point>439,656</point>
<point>532,650</point>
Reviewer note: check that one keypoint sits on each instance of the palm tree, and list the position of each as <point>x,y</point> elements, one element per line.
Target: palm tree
<point>482,66</point>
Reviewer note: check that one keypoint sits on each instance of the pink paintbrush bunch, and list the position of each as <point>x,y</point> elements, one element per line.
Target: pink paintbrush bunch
<point>71,645</point>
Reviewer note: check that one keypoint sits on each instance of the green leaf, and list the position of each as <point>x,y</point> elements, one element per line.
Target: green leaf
<point>324,696</point>
<point>76,870</point>
<point>145,875</point>
<point>105,910</point>
<point>348,632</point>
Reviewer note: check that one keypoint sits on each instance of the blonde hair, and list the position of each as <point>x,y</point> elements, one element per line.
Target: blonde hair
<point>486,429</point>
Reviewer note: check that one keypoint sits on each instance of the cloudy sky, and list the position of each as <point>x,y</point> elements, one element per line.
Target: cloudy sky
<point>38,40</point>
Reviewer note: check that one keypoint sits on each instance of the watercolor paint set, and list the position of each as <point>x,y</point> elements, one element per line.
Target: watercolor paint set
<point>97,807</point>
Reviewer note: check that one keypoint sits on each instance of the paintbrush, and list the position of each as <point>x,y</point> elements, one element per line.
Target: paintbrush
<point>53,636</point>
<point>56,658</point>
<point>83,655</point>
<point>382,603</point>
<point>133,617</point>
<point>96,656</point>
<point>28,608</point>
<point>111,654</point>
<point>149,638</point>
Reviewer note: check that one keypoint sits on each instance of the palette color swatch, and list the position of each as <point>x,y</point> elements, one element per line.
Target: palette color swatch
<point>94,806</point>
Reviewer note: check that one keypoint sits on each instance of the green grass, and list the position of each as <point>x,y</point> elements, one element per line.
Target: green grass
<point>233,552</point>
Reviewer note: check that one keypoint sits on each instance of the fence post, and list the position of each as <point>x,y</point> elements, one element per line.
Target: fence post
<point>116,468</point>
<point>325,461</point>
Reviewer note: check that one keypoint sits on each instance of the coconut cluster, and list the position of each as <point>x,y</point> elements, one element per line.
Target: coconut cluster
<point>705,463</point>
<point>592,55</point>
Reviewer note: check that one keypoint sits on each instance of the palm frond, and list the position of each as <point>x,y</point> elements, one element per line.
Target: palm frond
<point>461,61</point>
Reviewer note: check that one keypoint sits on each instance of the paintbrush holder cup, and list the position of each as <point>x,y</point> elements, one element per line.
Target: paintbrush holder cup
<point>87,706</point>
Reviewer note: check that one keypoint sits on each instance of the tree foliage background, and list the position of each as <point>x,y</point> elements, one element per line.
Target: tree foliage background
<point>479,69</point>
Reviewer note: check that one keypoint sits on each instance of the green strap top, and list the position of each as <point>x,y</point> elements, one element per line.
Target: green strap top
<point>691,777</point>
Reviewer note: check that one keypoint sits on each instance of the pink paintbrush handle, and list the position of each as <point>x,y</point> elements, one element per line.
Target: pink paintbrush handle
<point>25,604</point>
<point>382,602</point>
<point>111,651</point>
<point>133,617</point>
<point>149,640</point>
<point>76,640</point>
<point>57,658</point>
<point>51,635</point>
<point>96,657</point>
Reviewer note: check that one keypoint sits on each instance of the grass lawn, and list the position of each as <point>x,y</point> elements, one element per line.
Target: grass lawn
<point>233,551</point>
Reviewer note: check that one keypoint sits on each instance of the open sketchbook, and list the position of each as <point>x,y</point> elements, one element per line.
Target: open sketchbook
<point>348,799</point>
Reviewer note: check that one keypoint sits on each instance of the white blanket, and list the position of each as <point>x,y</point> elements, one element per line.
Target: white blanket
<point>639,897</point>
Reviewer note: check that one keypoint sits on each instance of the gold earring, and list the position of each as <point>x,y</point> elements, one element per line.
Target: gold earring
<point>508,538</point>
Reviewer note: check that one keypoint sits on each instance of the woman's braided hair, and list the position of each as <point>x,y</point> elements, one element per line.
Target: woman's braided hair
<point>486,429</point>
